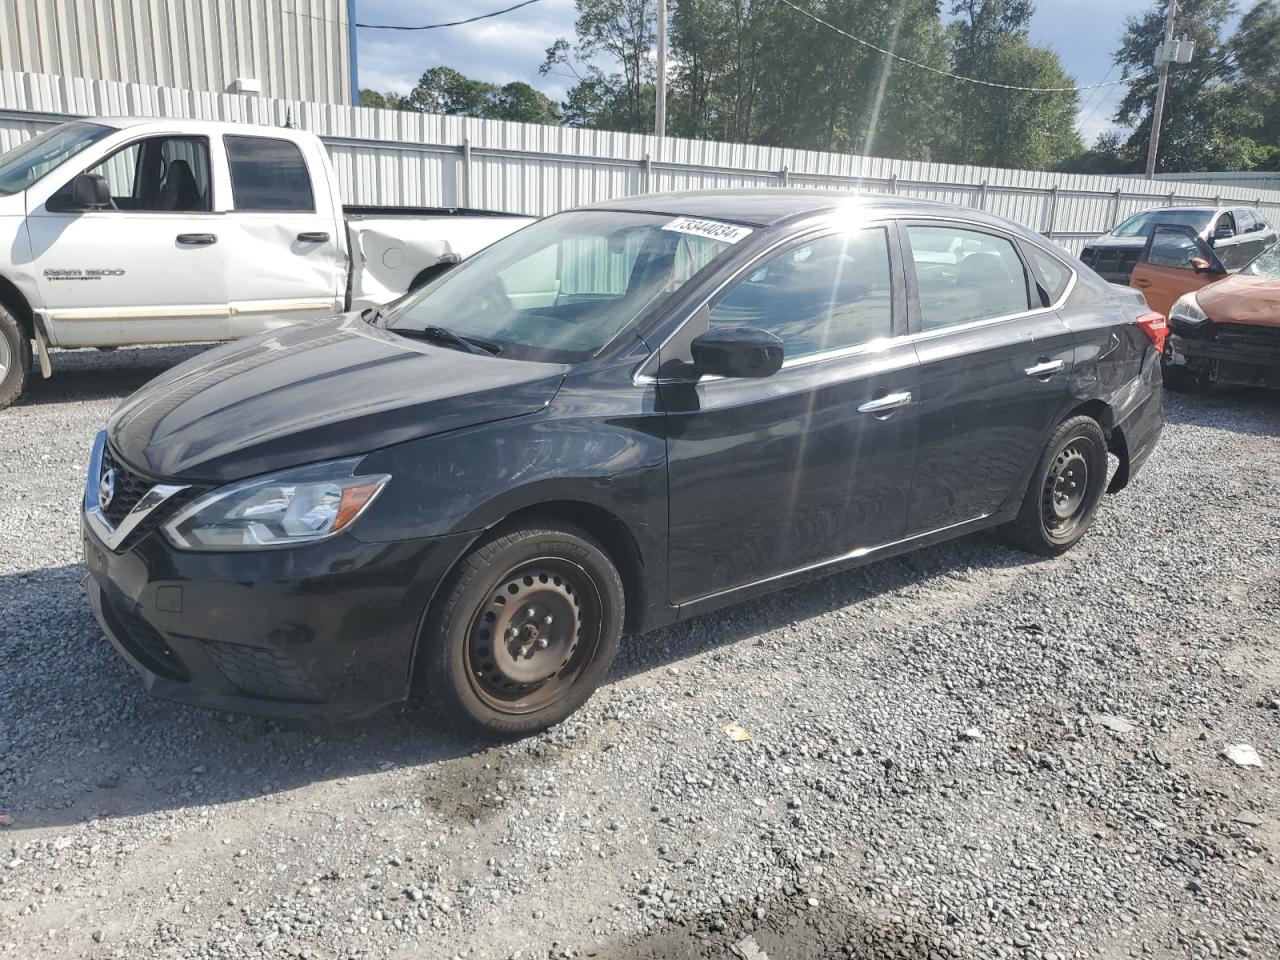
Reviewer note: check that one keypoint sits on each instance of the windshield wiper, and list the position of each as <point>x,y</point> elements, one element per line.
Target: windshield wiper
<point>442,335</point>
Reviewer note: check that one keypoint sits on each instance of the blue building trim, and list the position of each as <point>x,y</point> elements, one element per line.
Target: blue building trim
<point>351,46</point>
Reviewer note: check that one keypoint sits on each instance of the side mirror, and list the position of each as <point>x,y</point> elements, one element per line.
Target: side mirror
<point>1201,265</point>
<point>1223,233</point>
<point>745,352</point>
<point>89,191</point>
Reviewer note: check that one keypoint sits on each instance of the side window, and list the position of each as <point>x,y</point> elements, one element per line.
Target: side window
<point>1173,248</point>
<point>965,275</point>
<point>162,174</point>
<point>1053,273</point>
<point>268,175</point>
<point>1225,222</point>
<point>826,294</point>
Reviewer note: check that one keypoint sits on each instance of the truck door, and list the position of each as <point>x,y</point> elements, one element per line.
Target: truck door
<point>150,268</point>
<point>286,262</point>
<point>1174,261</point>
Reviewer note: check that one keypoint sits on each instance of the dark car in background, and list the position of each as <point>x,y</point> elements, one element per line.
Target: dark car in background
<point>618,417</point>
<point>1237,234</point>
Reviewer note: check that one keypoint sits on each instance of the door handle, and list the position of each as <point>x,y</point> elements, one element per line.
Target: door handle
<point>890,401</point>
<point>1141,282</point>
<point>316,236</point>
<point>1045,368</point>
<point>197,239</point>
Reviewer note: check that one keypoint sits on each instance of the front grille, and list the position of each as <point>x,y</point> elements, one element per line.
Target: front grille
<point>262,672</point>
<point>129,488</point>
<point>142,641</point>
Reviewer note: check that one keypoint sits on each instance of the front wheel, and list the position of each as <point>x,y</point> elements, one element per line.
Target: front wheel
<point>15,358</point>
<point>523,632</point>
<point>1064,492</point>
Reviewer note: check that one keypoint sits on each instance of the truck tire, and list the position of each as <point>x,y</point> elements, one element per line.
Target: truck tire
<point>15,358</point>
<point>1064,492</point>
<point>522,632</point>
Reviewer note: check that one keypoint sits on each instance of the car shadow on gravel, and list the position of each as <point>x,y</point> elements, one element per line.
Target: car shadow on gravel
<point>975,554</point>
<point>91,374</point>
<point>84,740</point>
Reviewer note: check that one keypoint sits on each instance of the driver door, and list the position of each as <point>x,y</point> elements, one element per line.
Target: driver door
<point>1174,261</point>
<point>149,271</point>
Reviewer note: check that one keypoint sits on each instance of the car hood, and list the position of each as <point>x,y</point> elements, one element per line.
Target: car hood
<point>315,392</point>
<point>1242,299</point>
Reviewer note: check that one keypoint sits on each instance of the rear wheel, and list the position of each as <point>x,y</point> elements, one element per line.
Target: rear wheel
<point>524,632</point>
<point>1064,492</point>
<point>15,358</point>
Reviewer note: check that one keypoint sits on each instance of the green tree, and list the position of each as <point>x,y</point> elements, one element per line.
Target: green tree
<point>622,32</point>
<point>381,101</point>
<point>995,126</point>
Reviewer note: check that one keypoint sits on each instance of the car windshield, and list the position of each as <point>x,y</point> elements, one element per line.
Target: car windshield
<point>563,288</point>
<point>1265,264</point>
<point>1140,224</point>
<point>24,165</point>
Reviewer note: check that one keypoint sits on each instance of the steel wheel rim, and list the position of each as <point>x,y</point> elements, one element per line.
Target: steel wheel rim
<point>533,635</point>
<point>1065,496</point>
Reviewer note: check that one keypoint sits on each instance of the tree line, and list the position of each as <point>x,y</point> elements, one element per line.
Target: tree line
<point>759,71</point>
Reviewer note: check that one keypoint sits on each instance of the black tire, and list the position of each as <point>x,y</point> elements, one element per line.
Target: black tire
<point>522,632</point>
<point>1181,380</point>
<point>15,358</point>
<point>1064,492</point>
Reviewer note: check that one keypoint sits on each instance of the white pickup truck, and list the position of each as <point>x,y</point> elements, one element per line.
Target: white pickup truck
<point>121,231</point>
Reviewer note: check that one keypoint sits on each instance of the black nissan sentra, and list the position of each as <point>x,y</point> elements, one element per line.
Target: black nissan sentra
<point>613,419</point>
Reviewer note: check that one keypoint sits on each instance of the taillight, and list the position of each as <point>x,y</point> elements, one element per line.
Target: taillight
<point>1156,328</point>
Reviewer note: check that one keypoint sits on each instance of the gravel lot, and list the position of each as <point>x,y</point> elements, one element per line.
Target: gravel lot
<point>961,753</point>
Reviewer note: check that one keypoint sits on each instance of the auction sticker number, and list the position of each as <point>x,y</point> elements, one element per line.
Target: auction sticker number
<point>711,229</point>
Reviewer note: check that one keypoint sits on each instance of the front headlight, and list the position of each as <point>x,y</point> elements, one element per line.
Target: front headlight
<point>1187,309</point>
<point>297,506</point>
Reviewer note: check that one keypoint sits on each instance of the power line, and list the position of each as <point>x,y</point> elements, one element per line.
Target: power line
<point>944,73</point>
<point>452,23</point>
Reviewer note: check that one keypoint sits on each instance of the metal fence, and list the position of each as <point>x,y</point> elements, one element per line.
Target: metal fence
<point>388,157</point>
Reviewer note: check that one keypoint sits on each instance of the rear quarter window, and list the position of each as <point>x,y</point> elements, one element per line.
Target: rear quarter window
<point>268,175</point>
<point>1052,273</point>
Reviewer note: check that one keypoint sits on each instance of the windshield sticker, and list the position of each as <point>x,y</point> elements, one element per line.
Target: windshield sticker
<point>711,229</point>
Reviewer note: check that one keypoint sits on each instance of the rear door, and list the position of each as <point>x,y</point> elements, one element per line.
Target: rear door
<point>149,270</point>
<point>285,259</point>
<point>813,463</point>
<point>994,366</point>
<point>1175,261</point>
<point>1254,234</point>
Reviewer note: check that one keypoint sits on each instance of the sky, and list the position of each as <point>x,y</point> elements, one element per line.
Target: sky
<point>1085,33</point>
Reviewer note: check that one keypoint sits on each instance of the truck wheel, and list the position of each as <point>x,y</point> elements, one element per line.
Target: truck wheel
<point>1065,490</point>
<point>523,632</point>
<point>15,358</point>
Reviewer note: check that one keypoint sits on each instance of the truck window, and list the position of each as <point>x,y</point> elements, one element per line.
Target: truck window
<point>268,175</point>
<point>159,175</point>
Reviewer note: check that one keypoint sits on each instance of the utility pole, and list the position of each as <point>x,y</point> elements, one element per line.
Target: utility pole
<point>660,107</point>
<point>1162,60</point>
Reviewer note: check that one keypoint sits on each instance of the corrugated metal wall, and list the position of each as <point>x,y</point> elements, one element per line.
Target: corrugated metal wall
<point>1233,180</point>
<point>386,157</point>
<point>297,49</point>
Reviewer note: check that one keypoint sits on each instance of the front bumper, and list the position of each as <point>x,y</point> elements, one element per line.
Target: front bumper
<point>326,630</point>
<point>1236,354</point>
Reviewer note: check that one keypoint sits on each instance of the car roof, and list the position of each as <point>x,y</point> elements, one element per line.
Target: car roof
<point>765,207</point>
<point>207,127</point>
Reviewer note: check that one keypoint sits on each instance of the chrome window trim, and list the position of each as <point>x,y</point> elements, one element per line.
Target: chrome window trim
<point>640,378</point>
<point>93,515</point>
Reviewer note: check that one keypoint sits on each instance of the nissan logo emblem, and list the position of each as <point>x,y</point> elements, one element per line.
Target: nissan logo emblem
<point>106,488</point>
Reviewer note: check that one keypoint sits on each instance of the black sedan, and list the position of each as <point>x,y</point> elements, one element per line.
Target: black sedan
<point>616,418</point>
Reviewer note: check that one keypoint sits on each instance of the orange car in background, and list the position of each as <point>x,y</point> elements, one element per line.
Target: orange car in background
<point>1223,328</point>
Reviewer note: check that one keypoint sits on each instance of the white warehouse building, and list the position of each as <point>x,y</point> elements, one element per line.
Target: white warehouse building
<point>289,49</point>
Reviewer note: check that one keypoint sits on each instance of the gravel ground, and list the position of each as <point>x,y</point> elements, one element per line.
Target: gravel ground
<point>961,753</point>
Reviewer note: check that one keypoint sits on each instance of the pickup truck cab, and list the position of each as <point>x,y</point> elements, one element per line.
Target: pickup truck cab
<point>120,231</point>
